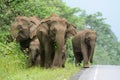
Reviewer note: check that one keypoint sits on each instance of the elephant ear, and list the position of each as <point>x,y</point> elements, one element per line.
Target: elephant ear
<point>32,32</point>
<point>18,25</point>
<point>34,23</point>
<point>45,25</point>
<point>71,30</point>
<point>35,20</point>
<point>94,33</point>
<point>22,22</point>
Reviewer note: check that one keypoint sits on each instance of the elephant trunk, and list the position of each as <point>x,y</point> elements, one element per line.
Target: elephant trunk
<point>32,58</point>
<point>59,50</point>
<point>60,43</point>
<point>92,44</point>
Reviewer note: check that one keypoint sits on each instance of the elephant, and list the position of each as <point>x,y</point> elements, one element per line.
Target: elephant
<point>53,33</point>
<point>83,46</point>
<point>24,29</point>
<point>34,52</point>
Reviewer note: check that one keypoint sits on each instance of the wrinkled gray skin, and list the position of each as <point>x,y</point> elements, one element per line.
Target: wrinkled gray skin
<point>53,33</point>
<point>83,46</point>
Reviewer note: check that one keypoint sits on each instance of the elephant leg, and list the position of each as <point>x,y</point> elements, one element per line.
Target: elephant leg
<point>59,59</point>
<point>31,62</point>
<point>91,58</point>
<point>48,55</point>
<point>38,60</point>
<point>56,61</point>
<point>81,57</point>
<point>42,55</point>
<point>85,56</point>
<point>90,55</point>
<point>78,58</point>
<point>63,60</point>
<point>42,39</point>
<point>77,53</point>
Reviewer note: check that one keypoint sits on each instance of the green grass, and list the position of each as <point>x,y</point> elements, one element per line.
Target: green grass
<point>12,71</point>
<point>37,73</point>
<point>13,66</point>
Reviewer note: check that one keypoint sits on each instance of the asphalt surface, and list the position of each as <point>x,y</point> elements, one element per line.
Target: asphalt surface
<point>98,72</point>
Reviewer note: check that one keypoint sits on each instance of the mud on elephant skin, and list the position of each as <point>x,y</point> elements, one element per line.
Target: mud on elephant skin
<point>54,30</point>
<point>83,46</point>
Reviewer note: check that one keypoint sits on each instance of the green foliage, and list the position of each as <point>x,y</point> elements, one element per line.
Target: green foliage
<point>69,52</point>
<point>11,59</point>
<point>8,10</point>
<point>101,56</point>
<point>4,34</point>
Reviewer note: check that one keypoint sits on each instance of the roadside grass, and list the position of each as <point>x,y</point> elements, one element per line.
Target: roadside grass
<point>37,73</point>
<point>13,66</point>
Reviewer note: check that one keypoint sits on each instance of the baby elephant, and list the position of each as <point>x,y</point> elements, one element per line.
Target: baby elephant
<point>34,52</point>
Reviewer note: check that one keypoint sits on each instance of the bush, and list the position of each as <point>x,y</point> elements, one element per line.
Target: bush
<point>11,58</point>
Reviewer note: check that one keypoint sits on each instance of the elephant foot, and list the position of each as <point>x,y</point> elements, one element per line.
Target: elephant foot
<point>54,67</point>
<point>57,66</point>
<point>86,66</point>
<point>47,66</point>
<point>63,66</point>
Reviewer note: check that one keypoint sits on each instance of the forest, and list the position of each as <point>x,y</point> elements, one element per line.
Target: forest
<point>107,50</point>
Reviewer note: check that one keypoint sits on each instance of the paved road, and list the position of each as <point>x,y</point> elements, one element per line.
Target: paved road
<point>98,72</point>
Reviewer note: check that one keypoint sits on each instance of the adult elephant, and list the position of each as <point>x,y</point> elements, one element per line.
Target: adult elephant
<point>52,34</point>
<point>83,46</point>
<point>24,30</point>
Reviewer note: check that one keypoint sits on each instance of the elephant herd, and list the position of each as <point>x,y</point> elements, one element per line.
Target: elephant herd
<point>46,39</point>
